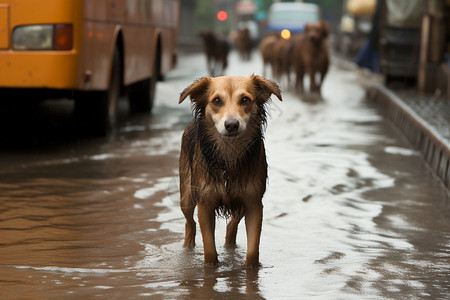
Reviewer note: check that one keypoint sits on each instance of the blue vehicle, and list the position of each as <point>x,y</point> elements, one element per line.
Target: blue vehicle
<point>291,16</point>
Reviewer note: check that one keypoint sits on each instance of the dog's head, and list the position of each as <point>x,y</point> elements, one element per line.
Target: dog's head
<point>317,31</point>
<point>231,102</point>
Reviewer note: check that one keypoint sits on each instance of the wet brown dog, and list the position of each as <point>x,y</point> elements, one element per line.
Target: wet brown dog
<point>310,55</point>
<point>223,166</point>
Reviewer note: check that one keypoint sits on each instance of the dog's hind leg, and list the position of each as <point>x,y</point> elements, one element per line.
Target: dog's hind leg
<point>188,207</point>
<point>207,220</point>
<point>232,228</point>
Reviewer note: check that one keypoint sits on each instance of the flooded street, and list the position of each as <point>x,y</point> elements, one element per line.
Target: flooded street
<point>350,211</point>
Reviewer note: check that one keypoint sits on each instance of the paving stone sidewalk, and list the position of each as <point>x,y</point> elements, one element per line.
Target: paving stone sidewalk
<point>423,119</point>
<point>433,110</point>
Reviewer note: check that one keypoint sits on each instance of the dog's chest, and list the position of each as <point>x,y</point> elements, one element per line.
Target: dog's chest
<point>245,180</point>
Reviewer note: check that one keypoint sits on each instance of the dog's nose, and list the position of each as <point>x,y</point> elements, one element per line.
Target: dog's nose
<point>231,126</point>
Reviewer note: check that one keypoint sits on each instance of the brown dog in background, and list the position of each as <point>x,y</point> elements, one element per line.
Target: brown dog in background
<point>216,48</point>
<point>266,49</point>
<point>282,60</point>
<point>223,166</point>
<point>243,42</point>
<point>310,55</point>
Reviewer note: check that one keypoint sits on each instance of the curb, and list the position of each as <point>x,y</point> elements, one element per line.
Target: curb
<point>434,148</point>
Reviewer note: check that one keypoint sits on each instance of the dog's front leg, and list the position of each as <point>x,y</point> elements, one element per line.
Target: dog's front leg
<point>209,65</point>
<point>323,72</point>
<point>207,219</point>
<point>299,80</point>
<point>312,81</point>
<point>253,224</point>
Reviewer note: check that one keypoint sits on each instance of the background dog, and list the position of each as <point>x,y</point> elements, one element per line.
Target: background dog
<point>223,166</point>
<point>243,42</point>
<point>216,48</point>
<point>281,59</point>
<point>310,55</point>
<point>266,49</point>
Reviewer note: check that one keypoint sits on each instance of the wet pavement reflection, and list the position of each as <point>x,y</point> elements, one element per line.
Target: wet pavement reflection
<point>350,210</point>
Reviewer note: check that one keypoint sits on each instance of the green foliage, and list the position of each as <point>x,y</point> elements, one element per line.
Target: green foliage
<point>205,15</point>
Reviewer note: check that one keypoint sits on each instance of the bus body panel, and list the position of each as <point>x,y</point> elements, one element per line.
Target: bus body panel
<point>99,26</point>
<point>4,25</point>
<point>41,69</point>
<point>140,49</point>
<point>96,55</point>
<point>24,12</point>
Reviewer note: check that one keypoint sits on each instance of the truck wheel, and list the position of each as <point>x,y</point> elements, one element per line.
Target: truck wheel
<point>142,93</point>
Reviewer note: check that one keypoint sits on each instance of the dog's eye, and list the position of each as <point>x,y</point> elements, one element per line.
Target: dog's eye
<point>216,102</point>
<point>245,101</point>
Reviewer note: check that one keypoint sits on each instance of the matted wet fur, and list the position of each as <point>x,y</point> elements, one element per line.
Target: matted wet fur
<point>223,168</point>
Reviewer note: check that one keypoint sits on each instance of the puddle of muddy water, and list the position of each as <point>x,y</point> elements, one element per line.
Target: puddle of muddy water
<point>350,211</point>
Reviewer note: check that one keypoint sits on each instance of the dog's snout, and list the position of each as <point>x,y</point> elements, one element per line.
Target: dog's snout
<point>232,126</point>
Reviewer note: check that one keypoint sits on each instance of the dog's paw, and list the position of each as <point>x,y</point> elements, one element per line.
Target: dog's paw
<point>212,262</point>
<point>253,266</point>
<point>189,244</point>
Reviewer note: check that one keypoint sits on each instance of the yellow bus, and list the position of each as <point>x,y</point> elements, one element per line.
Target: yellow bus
<point>87,50</point>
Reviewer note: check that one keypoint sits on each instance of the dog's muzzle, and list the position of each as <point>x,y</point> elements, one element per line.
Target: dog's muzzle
<point>232,127</point>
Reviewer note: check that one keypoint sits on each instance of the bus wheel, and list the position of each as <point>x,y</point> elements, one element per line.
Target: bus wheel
<point>97,112</point>
<point>108,100</point>
<point>142,93</point>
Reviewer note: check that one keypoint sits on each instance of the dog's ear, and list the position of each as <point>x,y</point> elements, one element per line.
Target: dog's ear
<point>325,29</point>
<point>266,87</point>
<point>197,90</point>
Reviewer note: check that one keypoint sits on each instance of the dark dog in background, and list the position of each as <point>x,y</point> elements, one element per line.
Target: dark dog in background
<point>223,166</point>
<point>216,48</point>
<point>310,56</point>
<point>243,42</point>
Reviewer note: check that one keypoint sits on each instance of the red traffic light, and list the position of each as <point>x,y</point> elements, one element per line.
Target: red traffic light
<point>222,15</point>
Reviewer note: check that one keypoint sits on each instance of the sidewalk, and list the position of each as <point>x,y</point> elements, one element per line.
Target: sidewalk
<point>423,119</point>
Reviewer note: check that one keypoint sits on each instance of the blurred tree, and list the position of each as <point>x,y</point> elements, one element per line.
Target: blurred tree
<point>187,20</point>
<point>205,15</point>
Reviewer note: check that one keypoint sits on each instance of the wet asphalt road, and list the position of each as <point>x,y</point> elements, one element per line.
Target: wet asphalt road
<point>351,212</point>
